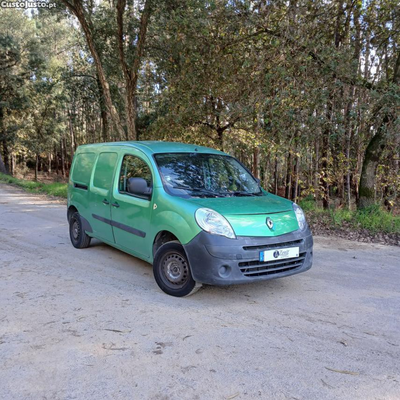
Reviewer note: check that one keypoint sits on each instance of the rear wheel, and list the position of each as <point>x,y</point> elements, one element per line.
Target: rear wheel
<point>172,271</point>
<point>78,236</point>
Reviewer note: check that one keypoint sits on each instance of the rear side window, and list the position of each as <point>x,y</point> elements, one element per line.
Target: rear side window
<point>104,172</point>
<point>83,167</point>
<point>133,167</point>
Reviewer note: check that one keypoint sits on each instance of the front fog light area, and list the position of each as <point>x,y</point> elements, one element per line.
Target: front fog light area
<point>224,271</point>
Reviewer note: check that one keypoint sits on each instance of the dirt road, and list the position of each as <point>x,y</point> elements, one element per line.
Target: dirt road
<point>92,324</point>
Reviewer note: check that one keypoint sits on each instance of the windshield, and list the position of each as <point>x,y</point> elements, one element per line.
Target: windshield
<point>205,175</point>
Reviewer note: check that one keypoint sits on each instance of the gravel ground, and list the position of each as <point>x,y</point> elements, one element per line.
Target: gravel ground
<point>92,324</point>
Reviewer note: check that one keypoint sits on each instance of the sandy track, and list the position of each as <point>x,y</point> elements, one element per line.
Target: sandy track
<point>92,324</point>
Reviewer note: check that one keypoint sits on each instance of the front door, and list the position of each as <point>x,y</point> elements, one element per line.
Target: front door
<point>100,192</point>
<point>131,214</point>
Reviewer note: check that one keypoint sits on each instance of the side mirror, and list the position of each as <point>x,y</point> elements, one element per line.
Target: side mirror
<point>138,187</point>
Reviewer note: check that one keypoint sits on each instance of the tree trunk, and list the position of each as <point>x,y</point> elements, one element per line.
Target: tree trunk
<point>103,113</point>
<point>36,167</point>
<point>373,152</point>
<point>296,178</point>
<point>56,159</point>
<point>288,182</point>
<point>324,179</point>
<point>72,134</point>
<point>130,109</point>
<point>276,175</point>
<point>77,9</point>
<point>6,156</point>
<point>3,169</point>
<point>49,164</point>
<point>256,162</point>
<point>131,74</point>
<point>62,157</point>
<point>220,133</point>
<point>371,160</point>
<point>316,168</point>
<point>13,162</point>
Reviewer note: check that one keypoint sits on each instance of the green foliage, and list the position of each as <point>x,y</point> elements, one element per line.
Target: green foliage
<point>308,204</point>
<point>268,83</point>
<point>373,219</point>
<point>52,189</point>
<point>340,216</point>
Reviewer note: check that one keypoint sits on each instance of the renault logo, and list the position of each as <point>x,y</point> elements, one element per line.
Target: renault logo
<point>270,223</point>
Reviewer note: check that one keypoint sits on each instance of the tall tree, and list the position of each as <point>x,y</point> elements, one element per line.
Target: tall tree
<point>130,47</point>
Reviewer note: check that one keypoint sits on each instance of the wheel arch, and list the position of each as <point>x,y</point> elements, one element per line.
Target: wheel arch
<point>161,238</point>
<point>70,211</point>
<point>85,223</point>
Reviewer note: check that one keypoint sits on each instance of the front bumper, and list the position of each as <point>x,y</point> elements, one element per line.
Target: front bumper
<point>216,260</point>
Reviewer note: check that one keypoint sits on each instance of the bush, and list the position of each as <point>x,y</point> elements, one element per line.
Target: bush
<point>373,219</point>
<point>339,216</point>
<point>376,219</point>
<point>308,204</point>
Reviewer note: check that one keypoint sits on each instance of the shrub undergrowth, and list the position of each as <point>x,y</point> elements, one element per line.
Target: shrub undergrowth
<point>53,189</point>
<point>374,218</point>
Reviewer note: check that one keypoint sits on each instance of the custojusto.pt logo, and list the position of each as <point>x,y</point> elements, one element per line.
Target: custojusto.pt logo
<point>27,4</point>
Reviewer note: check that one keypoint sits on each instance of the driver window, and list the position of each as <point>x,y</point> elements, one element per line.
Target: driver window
<point>133,167</point>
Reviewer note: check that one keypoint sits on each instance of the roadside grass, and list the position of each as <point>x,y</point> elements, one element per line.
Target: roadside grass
<point>373,219</point>
<point>53,189</point>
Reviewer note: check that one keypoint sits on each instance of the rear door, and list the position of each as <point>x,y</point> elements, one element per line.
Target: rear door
<point>131,214</point>
<point>100,190</point>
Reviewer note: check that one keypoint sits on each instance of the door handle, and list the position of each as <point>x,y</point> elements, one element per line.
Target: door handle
<point>106,202</point>
<point>115,204</point>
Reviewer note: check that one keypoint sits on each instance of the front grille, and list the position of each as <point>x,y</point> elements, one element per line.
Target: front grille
<point>271,246</point>
<point>260,268</point>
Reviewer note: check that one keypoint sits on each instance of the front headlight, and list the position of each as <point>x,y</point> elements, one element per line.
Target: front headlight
<point>301,218</point>
<point>213,222</point>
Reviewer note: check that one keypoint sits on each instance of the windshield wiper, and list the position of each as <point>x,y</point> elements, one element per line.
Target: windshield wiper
<point>244,194</point>
<point>200,191</point>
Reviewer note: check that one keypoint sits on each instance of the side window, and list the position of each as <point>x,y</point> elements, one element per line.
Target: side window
<point>83,167</point>
<point>103,174</point>
<point>133,167</point>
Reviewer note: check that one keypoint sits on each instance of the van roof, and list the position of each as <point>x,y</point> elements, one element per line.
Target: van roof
<point>152,147</point>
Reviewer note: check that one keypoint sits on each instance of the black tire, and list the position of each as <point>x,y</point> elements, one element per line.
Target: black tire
<point>78,236</point>
<point>172,271</point>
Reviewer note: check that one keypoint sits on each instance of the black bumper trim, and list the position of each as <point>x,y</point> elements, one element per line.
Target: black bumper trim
<point>217,260</point>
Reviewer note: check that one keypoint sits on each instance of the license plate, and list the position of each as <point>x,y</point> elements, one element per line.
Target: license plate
<point>279,254</point>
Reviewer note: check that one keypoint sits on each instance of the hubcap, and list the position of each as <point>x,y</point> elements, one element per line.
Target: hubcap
<point>175,270</point>
<point>75,230</point>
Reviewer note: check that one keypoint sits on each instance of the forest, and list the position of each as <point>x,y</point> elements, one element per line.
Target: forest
<point>305,93</point>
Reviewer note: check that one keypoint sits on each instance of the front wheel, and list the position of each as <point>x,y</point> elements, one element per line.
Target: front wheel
<point>78,236</point>
<point>172,271</point>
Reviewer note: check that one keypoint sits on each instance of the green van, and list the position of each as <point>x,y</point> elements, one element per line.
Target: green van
<point>197,214</point>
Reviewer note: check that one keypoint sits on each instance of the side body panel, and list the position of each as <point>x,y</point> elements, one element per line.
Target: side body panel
<point>100,195</point>
<point>175,215</point>
<point>132,218</point>
<point>79,182</point>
